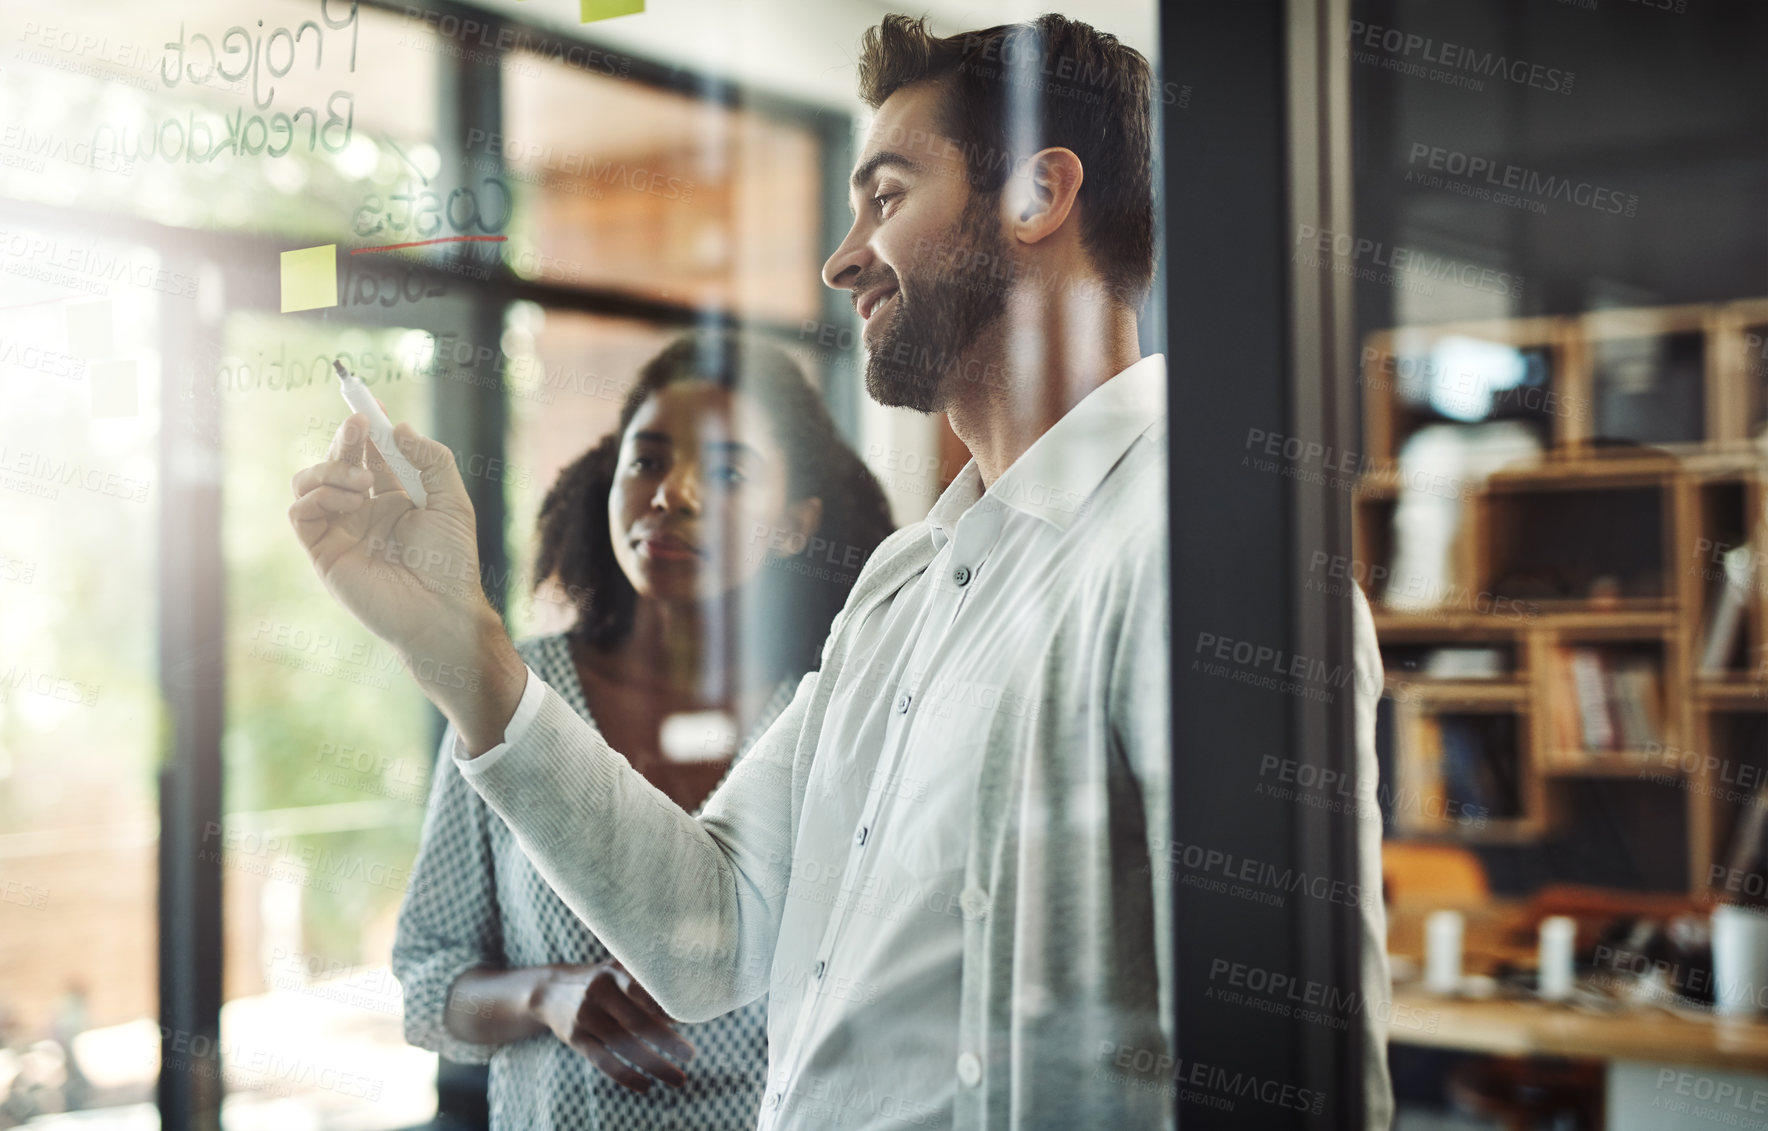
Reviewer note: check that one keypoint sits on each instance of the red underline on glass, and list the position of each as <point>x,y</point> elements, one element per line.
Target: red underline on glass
<point>426,243</point>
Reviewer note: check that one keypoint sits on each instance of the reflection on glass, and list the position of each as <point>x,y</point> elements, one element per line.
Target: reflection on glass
<point>80,491</point>
<point>326,758</point>
<point>670,197</point>
<point>130,110</point>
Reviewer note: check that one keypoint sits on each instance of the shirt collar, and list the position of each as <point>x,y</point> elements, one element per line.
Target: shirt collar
<point>1065,465</point>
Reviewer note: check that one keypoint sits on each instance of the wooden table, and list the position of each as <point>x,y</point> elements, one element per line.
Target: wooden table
<point>1534,1028</point>
<point>1501,932</point>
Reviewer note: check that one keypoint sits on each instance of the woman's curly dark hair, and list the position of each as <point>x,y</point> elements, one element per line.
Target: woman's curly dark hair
<point>796,597</point>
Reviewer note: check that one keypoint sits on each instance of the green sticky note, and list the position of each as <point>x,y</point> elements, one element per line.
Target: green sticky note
<point>310,278</point>
<point>594,10</point>
<point>113,389</point>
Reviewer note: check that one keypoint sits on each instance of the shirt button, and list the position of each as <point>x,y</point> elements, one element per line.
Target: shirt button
<point>773,1099</point>
<point>973,902</point>
<point>817,970</point>
<point>961,575</point>
<point>859,837</point>
<point>969,1070</point>
<point>902,703</point>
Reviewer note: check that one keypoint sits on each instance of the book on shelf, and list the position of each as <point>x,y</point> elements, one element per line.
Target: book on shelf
<point>1606,703</point>
<point>1745,851</point>
<point>1466,663</point>
<point>1567,733</point>
<point>1596,729</point>
<point>1725,624</point>
<point>1419,758</point>
<point>1635,691</point>
<point>1476,776</point>
<point>1449,764</point>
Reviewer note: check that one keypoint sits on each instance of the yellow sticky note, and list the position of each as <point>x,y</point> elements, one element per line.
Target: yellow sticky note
<point>310,278</point>
<point>594,10</point>
<point>113,389</point>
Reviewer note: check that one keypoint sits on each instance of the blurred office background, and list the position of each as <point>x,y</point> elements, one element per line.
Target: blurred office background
<point>1559,517</point>
<point>1560,258</point>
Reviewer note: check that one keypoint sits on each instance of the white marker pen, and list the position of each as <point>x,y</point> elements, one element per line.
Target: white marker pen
<point>380,430</point>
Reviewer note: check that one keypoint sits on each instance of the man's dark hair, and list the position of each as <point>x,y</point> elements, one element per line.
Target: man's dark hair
<point>797,596</point>
<point>1089,93</point>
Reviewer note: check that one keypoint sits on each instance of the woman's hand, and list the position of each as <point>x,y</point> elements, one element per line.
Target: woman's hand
<point>608,1017</point>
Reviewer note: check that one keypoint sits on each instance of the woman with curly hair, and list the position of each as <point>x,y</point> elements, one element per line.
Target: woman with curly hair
<point>705,544</point>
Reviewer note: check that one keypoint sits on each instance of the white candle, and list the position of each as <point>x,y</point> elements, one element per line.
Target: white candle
<point>1740,959</point>
<point>1558,937</point>
<point>1442,951</point>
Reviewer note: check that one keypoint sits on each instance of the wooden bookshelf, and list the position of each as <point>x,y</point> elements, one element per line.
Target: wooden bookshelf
<point>1606,551</point>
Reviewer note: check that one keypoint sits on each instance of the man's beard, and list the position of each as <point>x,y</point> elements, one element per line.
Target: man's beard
<point>916,356</point>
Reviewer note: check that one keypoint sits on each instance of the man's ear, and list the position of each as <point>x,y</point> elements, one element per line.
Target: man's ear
<point>801,522</point>
<point>1041,194</point>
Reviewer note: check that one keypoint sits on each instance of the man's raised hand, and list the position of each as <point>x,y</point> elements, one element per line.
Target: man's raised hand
<point>409,574</point>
